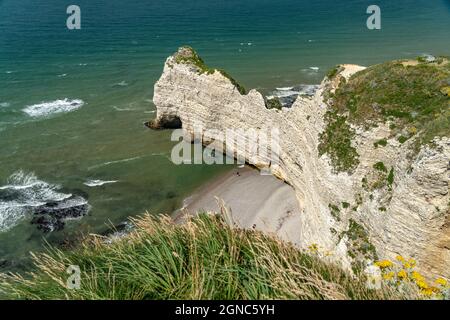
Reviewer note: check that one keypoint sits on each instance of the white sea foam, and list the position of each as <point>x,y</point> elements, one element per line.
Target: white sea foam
<point>285,93</point>
<point>288,95</point>
<point>285,88</point>
<point>115,236</point>
<point>54,107</point>
<point>10,214</point>
<point>121,84</point>
<point>186,202</point>
<point>314,68</point>
<point>120,161</point>
<point>123,109</point>
<point>98,183</point>
<point>163,155</point>
<point>113,162</point>
<point>4,104</point>
<point>23,192</point>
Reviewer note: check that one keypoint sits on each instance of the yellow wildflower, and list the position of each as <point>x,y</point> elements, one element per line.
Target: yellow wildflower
<point>400,258</point>
<point>313,248</point>
<point>412,130</point>
<point>388,276</point>
<point>412,262</point>
<point>422,284</point>
<point>407,265</point>
<point>441,281</point>
<point>446,91</point>
<point>402,275</point>
<point>427,292</point>
<point>384,264</point>
<point>417,276</point>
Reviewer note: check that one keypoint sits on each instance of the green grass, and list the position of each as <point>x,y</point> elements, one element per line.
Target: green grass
<point>202,259</point>
<point>413,99</point>
<point>187,55</point>
<point>410,96</point>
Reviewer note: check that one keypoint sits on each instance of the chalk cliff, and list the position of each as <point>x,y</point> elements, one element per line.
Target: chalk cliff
<point>381,201</point>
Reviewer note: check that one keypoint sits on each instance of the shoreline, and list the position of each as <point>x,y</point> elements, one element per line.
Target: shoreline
<point>255,201</point>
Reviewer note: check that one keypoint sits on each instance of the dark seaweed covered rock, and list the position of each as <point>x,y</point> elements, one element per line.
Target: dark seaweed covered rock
<point>51,216</point>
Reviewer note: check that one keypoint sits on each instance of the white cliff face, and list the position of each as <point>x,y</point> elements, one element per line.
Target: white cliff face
<point>411,217</point>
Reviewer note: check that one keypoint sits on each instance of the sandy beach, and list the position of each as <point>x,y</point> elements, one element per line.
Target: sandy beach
<point>255,201</point>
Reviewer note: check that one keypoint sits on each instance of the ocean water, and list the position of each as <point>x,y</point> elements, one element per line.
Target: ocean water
<point>73,102</point>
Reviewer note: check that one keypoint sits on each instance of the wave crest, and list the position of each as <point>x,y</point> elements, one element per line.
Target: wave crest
<point>53,107</point>
<point>25,194</point>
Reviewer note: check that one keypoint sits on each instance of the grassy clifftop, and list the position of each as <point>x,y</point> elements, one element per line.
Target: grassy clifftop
<point>202,259</point>
<point>187,55</point>
<point>411,96</point>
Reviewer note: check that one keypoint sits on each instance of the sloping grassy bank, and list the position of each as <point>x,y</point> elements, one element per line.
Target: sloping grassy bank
<point>201,259</point>
<point>411,97</point>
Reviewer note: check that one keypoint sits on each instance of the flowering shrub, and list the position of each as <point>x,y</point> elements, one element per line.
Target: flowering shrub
<point>402,273</point>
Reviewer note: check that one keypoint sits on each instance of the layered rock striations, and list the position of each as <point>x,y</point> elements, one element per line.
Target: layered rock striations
<point>367,187</point>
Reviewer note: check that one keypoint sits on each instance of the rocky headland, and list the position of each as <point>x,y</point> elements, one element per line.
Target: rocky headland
<point>368,154</point>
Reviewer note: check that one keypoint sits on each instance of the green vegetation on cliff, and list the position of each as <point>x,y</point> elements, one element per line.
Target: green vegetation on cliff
<point>336,141</point>
<point>360,247</point>
<point>187,55</point>
<point>274,103</point>
<point>411,96</point>
<point>202,259</point>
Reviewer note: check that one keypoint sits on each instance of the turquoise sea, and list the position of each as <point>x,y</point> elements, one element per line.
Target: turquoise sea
<point>73,102</point>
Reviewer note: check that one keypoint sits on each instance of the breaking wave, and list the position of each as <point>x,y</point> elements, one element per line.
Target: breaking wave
<point>288,95</point>
<point>98,183</point>
<point>54,107</point>
<point>25,194</point>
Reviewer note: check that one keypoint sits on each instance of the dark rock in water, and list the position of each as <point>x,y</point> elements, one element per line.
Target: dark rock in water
<point>3,263</point>
<point>80,193</point>
<point>51,216</point>
<point>171,195</point>
<point>166,122</point>
<point>118,230</point>
<point>49,204</point>
<point>48,224</point>
<point>53,209</point>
